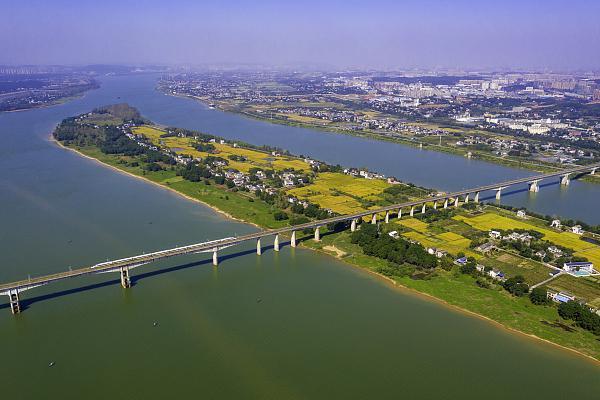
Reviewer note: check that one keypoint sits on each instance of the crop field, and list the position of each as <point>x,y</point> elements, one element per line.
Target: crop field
<point>254,158</point>
<point>583,288</point>
<point>512,265</point>
<point>414,224</point>
<point>453,243</point>
<point>488,221</point>
<point>339,192</point>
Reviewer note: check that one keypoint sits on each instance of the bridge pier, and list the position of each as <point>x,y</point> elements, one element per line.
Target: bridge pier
<point>467,198</point>
<point>215,257</point>
<point>423,208</point>
<point>293,239</point>
<point>374,219</point>
<point>534,186</point>
<point>15,306</point>
<point>446,203</point>
<point>498,193</point>
<point>412,211</point>
<point>276,243</point>
<point>258,247</point>
<point>566,180</point>
<point>387,217</point>
<point>456,201</point>
<point>317,234</point>
<point>476,197</point>
<point>593,172</point>
<point>125,280</point>
<point>353,225</point>
<point>399,213</point>
<point>435,205</point>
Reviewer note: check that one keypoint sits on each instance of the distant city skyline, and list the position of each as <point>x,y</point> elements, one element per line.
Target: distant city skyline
<point>535,35</point>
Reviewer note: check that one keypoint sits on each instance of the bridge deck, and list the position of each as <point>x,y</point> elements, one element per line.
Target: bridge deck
<point>222,243</point>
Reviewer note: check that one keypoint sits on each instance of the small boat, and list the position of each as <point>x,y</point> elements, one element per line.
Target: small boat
<point>211,106</point>
<point>51,364</point>
<point>155,323</point>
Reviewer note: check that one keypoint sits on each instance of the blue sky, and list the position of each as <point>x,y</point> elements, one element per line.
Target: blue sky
<point>551,34</point>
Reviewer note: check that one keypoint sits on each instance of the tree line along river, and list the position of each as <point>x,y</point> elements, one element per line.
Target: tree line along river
<point>287,325</point>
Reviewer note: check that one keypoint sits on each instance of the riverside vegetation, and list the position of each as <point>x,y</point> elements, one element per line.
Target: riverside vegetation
<point>271,188</point>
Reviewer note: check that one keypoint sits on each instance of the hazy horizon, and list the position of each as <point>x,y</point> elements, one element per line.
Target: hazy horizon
<point>430,34</point>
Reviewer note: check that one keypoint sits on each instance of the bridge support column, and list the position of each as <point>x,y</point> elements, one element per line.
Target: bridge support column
<point>534,187</point>
<point>456,201</point>
<point>566,180</point>
<point>15,306</point>
<point>215,257</point>
<point>258,247</point>
<point>593,172</point>
<point>412,211</point>
<point>467,198</point>
<point>293,239</point>
<point>399,213</point>
<point>374,219</point>
<point>446,203</point>
<point>498,193</point>
<point>435,205</point>
<point>317,234</point>
<point>423,208</point>
<point>276,243</point>
<point>353,225</point>
<point>125,280</point>
<point>387,217</point>
<point>476,197</point>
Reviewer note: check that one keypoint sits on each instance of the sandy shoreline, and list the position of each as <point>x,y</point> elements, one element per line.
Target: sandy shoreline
<point>390,282</point>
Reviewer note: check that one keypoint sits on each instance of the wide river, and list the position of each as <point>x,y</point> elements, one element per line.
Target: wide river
<point>287,325</point>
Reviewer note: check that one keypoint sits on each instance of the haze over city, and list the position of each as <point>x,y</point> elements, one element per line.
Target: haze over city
<point>530,34</point>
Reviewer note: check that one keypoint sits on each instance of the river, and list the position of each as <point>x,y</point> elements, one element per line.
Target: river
<point>287,325</point>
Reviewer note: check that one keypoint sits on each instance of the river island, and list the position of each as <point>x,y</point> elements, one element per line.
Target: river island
<point>503,264</point>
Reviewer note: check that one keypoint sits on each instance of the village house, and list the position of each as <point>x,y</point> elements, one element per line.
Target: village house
<point>555,251</point>
<point>495,234</point>
<point>521,214</point>
<point>577,229</point>
<point>556,224</point>
<point>579,267</point>
<point>394,234</point>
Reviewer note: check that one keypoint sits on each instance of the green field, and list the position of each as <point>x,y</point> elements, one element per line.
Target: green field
<point>587,289</point>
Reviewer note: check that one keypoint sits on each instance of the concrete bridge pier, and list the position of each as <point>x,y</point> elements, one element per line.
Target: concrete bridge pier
<point>498,193</point>
<point>566,180</point>
<point>435,205</point>
<point>534,186</point>
<point>276,243</point>
<point>412,211</point>
<point>423,208</point>
<point>215,257</point>
<point>125,280</point>
<point>593,171</point>
<point>353,225</point>
<point>399,213</point>
<point>374,219</point>
<point>446,203</point>
<point>317,234</point>
<point>15,306</point>
<point>476,197</point>
<point>457,201</point>
<point>467,198</point>
<point>387,217</point>
<point>258,247</point>
<point>293,239</point>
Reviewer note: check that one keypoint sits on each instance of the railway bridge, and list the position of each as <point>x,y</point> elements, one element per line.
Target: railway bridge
<point>124,265</point>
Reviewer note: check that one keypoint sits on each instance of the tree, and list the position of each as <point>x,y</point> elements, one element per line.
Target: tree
<point>516,286</point>
<point>539,296</point>
<point>280,216</point>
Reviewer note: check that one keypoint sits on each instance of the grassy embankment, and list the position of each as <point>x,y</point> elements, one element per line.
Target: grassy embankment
<point>450,287</point>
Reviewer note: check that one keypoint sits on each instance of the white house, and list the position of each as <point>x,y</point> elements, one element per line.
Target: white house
<point>521,214</point>
<point>394,234</point>
<point>495,234</point>
<point>579,266</point>
<point>577,230</point>
<point>556,224</point>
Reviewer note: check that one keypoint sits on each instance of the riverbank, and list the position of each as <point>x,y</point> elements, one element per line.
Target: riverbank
<point>442,290</point>
<point>482,156</point>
